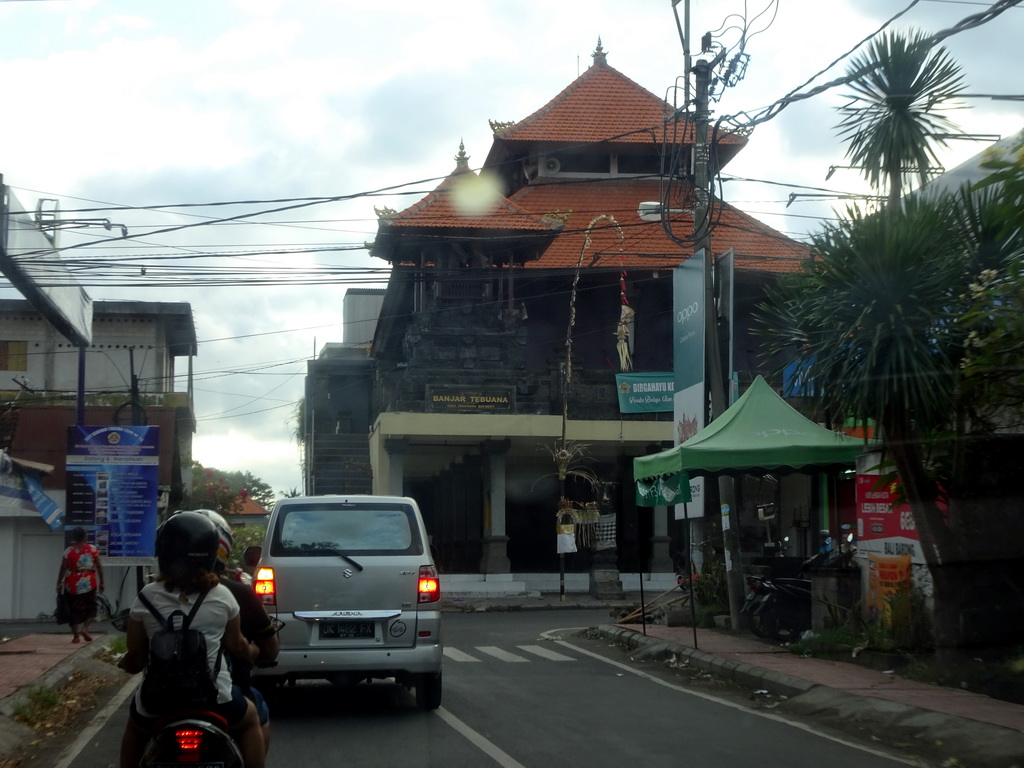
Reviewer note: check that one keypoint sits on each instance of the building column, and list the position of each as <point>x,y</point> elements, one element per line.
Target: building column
<point>494,558</point>
<point>396,466</point>
<point>459,493</point>
<point>661,557</point>
<point>604,572</point>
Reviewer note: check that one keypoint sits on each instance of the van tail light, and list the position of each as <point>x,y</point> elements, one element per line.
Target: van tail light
<point>265,587</point>
<point>429,589</point>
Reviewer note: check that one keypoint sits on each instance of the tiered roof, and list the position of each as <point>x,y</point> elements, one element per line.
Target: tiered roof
<point>439,209</point>
<point>605,107</point>
<point>646,244</point>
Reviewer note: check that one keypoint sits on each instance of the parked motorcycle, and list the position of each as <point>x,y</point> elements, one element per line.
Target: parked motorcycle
<point>195,739</point>
<point>777,608</point>
<point>780,609</point>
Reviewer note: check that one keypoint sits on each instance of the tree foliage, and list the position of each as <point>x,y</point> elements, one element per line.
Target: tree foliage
<point>910,317</point>
<point>226,491</point>
<point>902,318</point>
<point>893,118</point>
<point>993,364</point>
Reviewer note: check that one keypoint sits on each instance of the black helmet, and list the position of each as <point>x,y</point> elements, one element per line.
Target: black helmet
<point>227,538</point>
<point>185,543</point>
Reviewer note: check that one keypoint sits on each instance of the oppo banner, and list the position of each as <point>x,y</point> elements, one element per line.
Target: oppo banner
<point>690,402</point>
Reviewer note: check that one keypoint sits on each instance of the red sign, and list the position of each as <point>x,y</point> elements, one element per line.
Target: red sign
<point>885,525</point>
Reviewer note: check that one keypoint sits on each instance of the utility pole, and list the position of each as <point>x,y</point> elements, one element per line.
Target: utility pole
<point>714,380</point>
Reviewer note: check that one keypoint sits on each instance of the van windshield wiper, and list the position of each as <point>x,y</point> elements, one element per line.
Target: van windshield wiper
<point>343,556</point>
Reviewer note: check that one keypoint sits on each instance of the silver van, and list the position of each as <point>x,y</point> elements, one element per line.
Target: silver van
<point>353,581</point>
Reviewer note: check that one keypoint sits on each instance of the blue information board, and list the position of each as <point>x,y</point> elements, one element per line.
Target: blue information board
<point>112,486</point>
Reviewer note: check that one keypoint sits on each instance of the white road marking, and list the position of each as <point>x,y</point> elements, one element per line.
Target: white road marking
<point>545,653</point>
<point>489,748</point>
<point>496,652</point>
<point>98,722</point>
<point>456,655</point>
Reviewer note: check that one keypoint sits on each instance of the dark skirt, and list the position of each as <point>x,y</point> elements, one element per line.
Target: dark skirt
<point>82,607</point>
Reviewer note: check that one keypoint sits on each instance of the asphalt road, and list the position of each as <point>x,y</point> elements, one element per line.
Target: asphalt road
<point>529,690</point>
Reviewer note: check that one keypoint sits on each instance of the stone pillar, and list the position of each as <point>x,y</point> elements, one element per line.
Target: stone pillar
<point>604,570</point>
<point>661,558</point>
<point>464,493</point>
<point>494,558</point>
<point>446,520</point>
<point>396,466</point>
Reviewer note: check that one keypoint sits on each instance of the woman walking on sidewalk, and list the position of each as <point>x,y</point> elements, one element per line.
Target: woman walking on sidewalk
<point>81,575</point>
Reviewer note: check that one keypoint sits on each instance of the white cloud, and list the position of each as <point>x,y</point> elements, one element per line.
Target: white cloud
<point>157,103</point>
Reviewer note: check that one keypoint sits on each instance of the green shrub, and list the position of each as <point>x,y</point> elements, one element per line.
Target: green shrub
<point>38,702</point>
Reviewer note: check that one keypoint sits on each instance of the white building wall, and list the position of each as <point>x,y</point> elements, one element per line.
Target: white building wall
<point>119,344</point>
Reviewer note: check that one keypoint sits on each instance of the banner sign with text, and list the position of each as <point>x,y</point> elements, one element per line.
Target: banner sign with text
<point>885,524</point>
<point>455,399</point>
<point>663,491</point>
<point>112,489</point>
<point>690,399</point>
<point>644,392</point>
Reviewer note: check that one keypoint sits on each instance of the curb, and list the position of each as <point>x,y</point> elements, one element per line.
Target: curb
<point>13,733</point>
<point>777,683</point>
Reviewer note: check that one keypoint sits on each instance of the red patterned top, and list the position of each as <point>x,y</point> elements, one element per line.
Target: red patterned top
<point>81,560</point>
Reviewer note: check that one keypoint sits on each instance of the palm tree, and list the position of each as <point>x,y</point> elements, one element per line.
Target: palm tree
<point>873,322</point>
<point>892,120</point>
<point>867,319</point>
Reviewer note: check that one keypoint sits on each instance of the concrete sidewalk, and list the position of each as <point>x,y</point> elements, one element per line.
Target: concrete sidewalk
<point>39,654</point>
<point>969,727</point>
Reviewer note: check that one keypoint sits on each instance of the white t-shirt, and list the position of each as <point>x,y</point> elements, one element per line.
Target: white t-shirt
<point>219,606</point>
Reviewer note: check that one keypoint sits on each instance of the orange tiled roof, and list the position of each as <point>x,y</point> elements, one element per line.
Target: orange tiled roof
<point>645,244</point>
<point>438,209</point>
<point>250,507</point>
<point>602,105</point>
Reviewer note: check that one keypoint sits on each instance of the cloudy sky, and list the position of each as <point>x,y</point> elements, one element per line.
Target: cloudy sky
<point>311,106</point>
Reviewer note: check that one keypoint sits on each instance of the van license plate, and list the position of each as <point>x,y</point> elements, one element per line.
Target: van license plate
<point>346,629</point>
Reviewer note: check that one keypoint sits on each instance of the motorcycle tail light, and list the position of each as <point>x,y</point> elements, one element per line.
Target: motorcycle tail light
<point>189,741</point>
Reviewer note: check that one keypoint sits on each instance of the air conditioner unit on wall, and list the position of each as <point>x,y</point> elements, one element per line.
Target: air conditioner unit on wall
<point>551,166</point>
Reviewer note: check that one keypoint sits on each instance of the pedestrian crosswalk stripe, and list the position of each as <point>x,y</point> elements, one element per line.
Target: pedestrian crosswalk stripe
<point>456,655</point>
<point>492,650</point>
<point>546,653</point>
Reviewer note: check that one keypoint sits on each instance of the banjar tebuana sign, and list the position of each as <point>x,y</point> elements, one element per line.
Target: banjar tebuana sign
<point>645,392</point>
<point>470,400</point>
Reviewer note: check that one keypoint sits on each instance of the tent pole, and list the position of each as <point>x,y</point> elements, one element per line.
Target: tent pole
<point>640,573</point>
<point>689,575</point>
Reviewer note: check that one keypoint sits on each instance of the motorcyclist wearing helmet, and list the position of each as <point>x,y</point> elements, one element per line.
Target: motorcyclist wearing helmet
<point>186,550</point>
<point>257,626</point>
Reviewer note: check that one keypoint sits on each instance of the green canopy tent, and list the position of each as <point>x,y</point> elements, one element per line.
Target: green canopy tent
<point>759,433</point>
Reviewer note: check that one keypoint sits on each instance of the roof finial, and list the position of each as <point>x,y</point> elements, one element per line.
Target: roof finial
<point>462,159</point>
<point>599,54</point>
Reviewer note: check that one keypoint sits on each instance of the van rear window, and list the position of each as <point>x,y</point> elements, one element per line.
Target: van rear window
<point>325,528</point>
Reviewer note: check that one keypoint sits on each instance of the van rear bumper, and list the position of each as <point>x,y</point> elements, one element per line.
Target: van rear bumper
<point>376,662</point>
